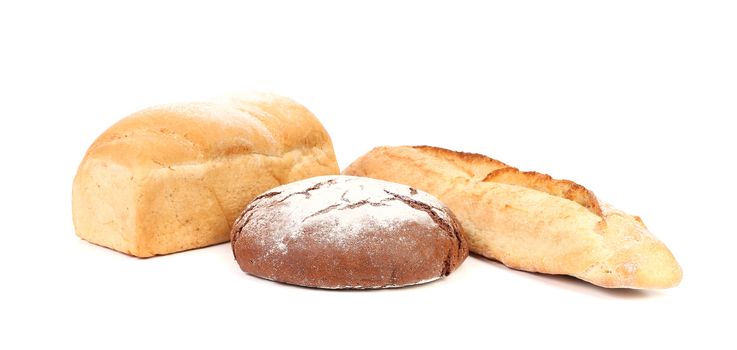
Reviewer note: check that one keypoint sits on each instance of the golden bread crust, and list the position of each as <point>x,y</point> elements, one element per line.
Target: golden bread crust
<point>172,178</point>
<point>528,220</point>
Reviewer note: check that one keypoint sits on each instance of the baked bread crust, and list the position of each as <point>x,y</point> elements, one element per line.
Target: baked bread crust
<point>341,232</point>
<point>530,221</point>
<point>175,177</point>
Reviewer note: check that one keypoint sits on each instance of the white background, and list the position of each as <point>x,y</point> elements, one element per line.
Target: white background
<point>633,99</point>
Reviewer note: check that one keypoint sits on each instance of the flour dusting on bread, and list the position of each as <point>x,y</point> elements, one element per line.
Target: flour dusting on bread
<point>343,207</point>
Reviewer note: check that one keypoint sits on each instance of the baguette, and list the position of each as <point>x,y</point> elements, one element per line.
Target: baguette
<point>530,221</point>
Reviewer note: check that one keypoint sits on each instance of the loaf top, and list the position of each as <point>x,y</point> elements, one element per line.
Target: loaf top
<point>343,206</point>
<point>480,168</point>
<point>176,134</point>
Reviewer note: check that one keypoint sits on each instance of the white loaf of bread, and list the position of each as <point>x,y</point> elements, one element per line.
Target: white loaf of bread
<point>175,177</point>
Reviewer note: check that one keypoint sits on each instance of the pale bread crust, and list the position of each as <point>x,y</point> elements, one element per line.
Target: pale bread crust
<point>175,177</point>
<point>529,221</point>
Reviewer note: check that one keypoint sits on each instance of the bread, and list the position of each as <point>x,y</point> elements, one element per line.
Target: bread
<point>348,232</point>
<point>529,221</point>
<point>175,177</point>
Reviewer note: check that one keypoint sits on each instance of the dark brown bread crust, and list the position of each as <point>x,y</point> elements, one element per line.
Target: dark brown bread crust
<point>409,251</point>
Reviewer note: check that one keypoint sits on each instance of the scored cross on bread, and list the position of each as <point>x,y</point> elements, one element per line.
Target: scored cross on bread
<point>530,221</point>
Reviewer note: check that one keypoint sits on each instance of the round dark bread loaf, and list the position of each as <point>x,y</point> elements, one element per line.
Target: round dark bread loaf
<point>348,232</point>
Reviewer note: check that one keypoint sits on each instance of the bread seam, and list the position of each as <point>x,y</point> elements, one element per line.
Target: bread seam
<point>504,168</point>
